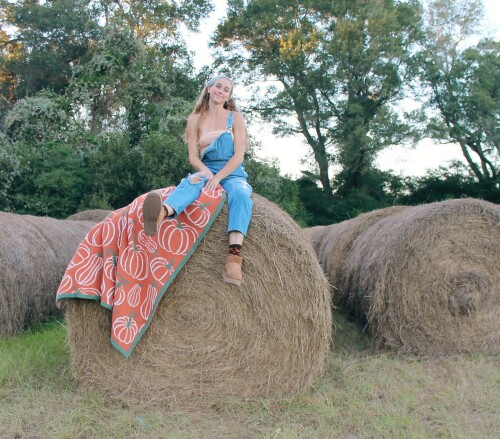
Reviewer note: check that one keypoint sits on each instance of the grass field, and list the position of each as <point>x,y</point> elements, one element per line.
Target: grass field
<point>362,394</point>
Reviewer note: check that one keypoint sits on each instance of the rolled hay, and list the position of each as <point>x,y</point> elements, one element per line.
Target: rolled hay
<point>427,278</point>
<point>34,253</point>
<point>332,244</point>
<point>95,215</point>
<point>317,232</point>
<point>268,338</point>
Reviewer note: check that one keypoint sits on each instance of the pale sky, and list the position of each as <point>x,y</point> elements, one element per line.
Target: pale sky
<point>290,150</point>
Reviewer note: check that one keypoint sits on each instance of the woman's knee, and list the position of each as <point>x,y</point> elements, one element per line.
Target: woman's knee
<point>196,179</point>
<point>239,189</point>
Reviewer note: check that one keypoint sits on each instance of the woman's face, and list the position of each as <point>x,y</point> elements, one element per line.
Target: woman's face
<point>220,90</point>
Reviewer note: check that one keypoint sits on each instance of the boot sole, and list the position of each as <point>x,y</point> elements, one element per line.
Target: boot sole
<point>151,211</point>
<point>230,280</point>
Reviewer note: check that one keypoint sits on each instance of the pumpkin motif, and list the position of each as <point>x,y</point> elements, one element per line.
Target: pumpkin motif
<point>65,286</point>
<point>110,267</point>
<point>108,232</point>
<point>198,213</point>
<point>149,302</point>
<point>119,296</point>
<point>134,296</point>
<point>125,329</point>
<point>82,253</point>
<point>122,223</point>
<point>213,194</point>
<point>147,242</point>
<point>108,296</point>
<point>177,237</point>
<point>94,237</point>
<point>162,269</point>
<point>87,272</point>
<point>134,205</point>
<point>133,261</point>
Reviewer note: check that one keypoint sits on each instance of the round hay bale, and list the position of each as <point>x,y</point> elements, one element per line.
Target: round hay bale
<point>95,215</point>
<point>34,253</point>
<point>209,340</point>
<point>314,234</point>
<point>427,278</point>
<point>332,244</point>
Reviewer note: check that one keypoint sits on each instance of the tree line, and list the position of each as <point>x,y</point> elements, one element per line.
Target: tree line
<point>94,95</point>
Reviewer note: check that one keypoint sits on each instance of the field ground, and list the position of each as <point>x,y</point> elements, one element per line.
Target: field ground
<point>363,394</point>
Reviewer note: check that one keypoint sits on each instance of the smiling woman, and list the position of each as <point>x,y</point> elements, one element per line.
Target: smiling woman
<point>217,140</point>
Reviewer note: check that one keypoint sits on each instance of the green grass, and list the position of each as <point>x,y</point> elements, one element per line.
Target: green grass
<point>363,393</point>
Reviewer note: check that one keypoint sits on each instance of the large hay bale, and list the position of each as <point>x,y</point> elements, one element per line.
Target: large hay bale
<point>314,235</point>
<point>427,278</point>
<point>210,340</point>
<point>95,215</point>
<point>34,253</point>
<point>332,244</point>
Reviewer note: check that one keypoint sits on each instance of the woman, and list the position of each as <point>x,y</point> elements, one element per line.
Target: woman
<point>216,139</point>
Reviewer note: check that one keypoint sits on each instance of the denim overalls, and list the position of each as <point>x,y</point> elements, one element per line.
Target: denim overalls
<point>215,156</point>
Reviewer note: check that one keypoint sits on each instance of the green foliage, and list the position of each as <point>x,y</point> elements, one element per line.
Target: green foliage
<point>50,179</point>
<point>37,119</point>
<point>265,179</point>
<point>9,170</point>
<point>48,37</point>
<point>164,160</point>
<point>464,85</point>
<point>455,181</point>
<point>339,67</point>
<point>382,189</point>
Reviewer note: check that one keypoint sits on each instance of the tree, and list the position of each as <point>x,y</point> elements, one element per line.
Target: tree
<point>464,84</point>
<point>47,39</point>
<point>153,21</point>
<point>455,181</point>
<point>338,68</point>
<point>43,169</point>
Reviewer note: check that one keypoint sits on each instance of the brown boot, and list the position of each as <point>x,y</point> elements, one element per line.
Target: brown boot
<point>153,212</point>
<point>232,272</point>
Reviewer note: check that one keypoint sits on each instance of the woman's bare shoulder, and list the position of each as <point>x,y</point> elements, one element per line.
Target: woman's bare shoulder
<point>193,119</point>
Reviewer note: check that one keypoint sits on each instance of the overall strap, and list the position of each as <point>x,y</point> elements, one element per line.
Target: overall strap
<point>229,123</point>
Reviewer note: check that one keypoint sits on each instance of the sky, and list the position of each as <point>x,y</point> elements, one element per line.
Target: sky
<point>289,151</point>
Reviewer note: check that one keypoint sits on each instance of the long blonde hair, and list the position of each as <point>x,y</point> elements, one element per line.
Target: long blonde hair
<point>201,106</point>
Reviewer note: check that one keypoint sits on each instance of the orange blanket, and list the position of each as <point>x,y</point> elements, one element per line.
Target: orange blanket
<point>128,271</point>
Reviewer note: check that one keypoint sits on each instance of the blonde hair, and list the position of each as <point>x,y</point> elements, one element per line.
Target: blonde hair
<point>201,106</point>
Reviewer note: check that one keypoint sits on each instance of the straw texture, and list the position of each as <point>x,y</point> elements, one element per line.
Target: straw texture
<point>34,253</point>
<point>426,279</point>
<point>209,340</point>
<point>95,215</point>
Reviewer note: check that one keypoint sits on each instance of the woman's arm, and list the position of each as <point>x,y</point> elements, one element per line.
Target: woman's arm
<point>192,141</point>
<point>240,145</point>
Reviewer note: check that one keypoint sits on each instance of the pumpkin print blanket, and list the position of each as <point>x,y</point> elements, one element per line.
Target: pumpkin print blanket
<point>129,271</point>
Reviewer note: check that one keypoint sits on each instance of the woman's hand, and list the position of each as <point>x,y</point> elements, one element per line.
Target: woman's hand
<point>212,183</point>
<point>207,173</point>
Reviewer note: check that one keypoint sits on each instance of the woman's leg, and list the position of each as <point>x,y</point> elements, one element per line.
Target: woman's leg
<point>154,210</point>
<point>239,213</point>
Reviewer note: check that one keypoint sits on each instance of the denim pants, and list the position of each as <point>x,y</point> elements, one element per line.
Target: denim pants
<point>238,197</point>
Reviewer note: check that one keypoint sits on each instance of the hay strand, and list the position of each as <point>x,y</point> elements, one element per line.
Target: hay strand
<point>209,340</point>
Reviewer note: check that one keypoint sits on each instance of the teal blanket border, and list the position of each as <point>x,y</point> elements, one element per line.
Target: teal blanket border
<point>127,353</point>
